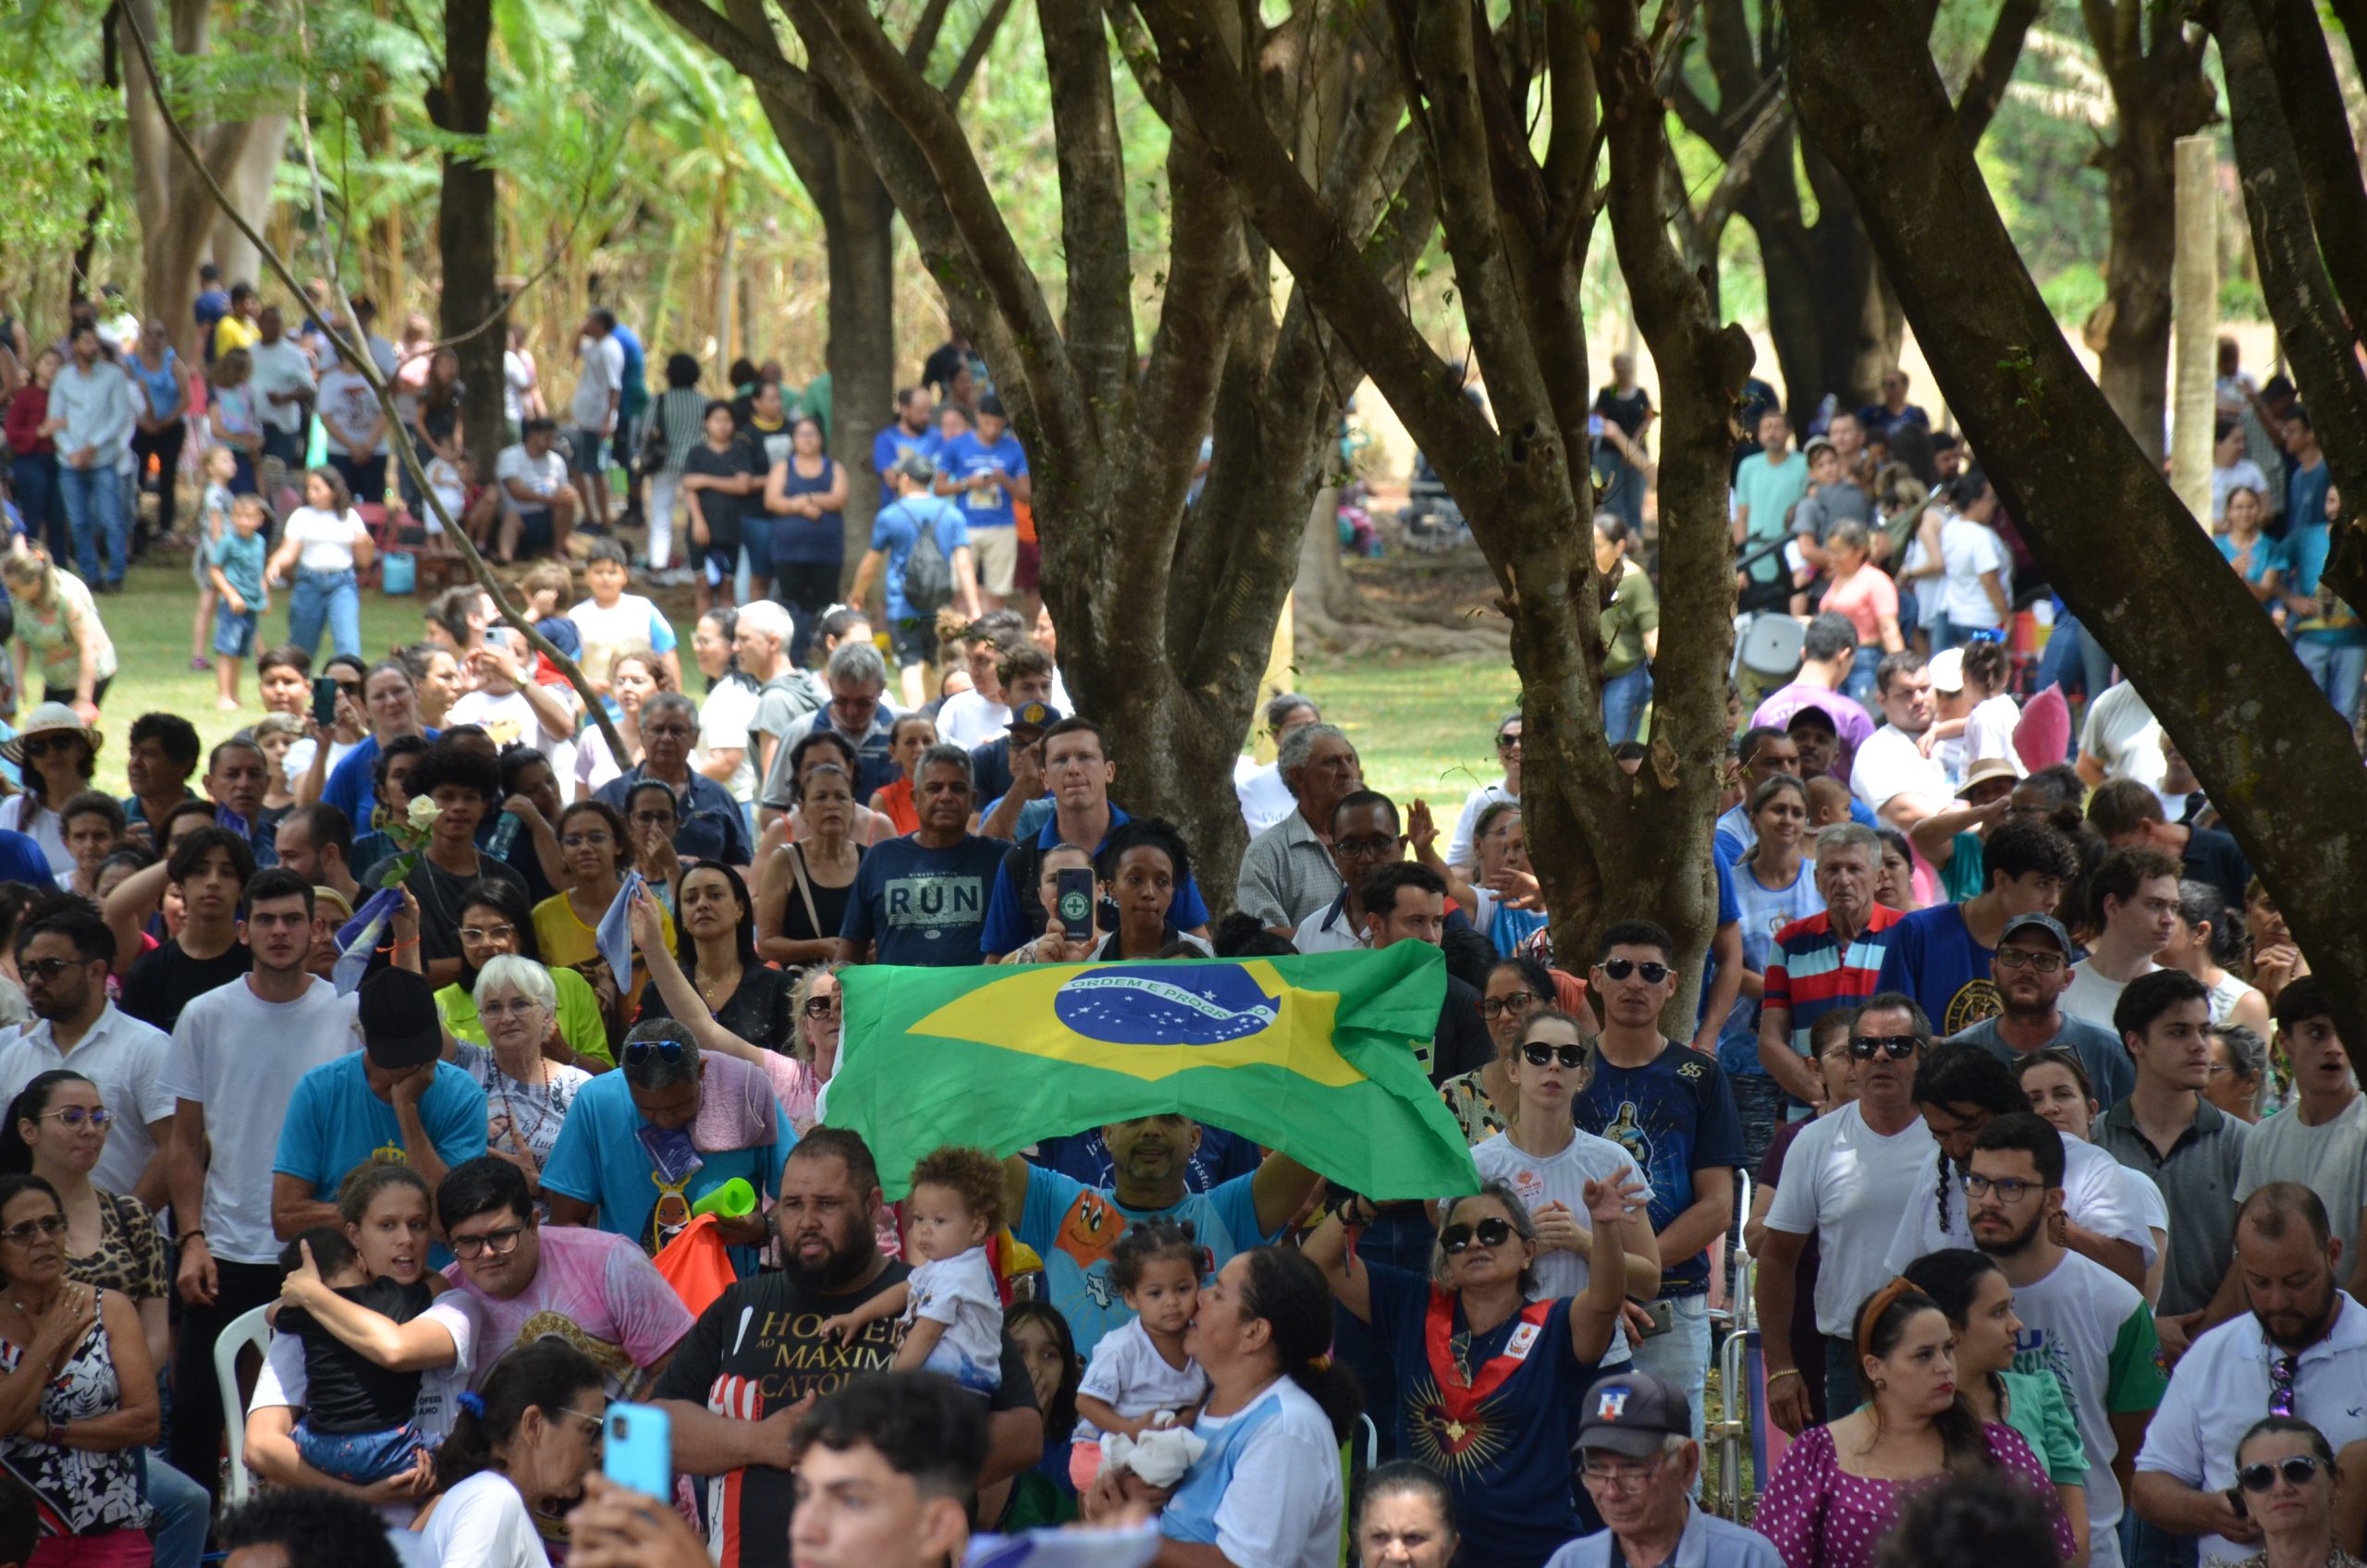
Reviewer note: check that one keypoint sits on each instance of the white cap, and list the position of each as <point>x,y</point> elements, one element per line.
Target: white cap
<point>1948,670</point>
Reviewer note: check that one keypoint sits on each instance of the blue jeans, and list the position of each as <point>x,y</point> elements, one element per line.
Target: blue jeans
<point>93,506</point>
<point>182,1510</point>
<point>1624,697</point>
<point>1682,1355</point>
<point>331,597</point>
<point>1860,686</point>
<point>1844,1391</point>
<point>1622,485</point>
<point>359,1457</point>
<point>2073,659</point>
<point>2143,1546</point>
<point>2335,670</point>
<point>35,476</point>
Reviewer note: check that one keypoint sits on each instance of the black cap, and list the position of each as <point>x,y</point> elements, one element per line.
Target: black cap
<point>2046,923</point>
<point>1810,714</point>
<point>1633,1412</point>
<point>400,1025</point>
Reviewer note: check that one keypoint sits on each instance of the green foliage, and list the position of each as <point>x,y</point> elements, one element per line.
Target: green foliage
<point>2073,292</point>
<point>54,130</point>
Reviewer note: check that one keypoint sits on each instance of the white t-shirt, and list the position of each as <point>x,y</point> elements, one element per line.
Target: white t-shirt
<point>1561,1177</point>
<point>959,1292</point>
<point>121,1056</point>
<point>2092,996</point>
<point>240,1057</point>
<point>280,367</point>
<point>510,719</point>
<point>445,480</point>
<point>2123,735</point>
<point>48,830</point>
<point>2330,1159</point>
<point>1889,765</point>
<point>545,476</point>
<point>2222,1388</point>
<point>483,1523</point>
<point>2072,1321</point>
<point>1264,799</point>
<point>2093,1194</point>
<point>599,373</point>
<point>283,1382</point>
<point>346,398</point>
<point>516,379</point>
<point>328,538</point>
<point>1280,1507</point>
<point>968,720</point>
<point>1842,1184</point>
<point>723,725</point>
<point>1129,1375</point>
<point>1989,733</point>
<point>632,622</point>
<point>299,756</point>
<point>1968,549</point>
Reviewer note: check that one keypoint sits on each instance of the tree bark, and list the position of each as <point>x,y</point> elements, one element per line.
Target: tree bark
<point>468,235</point>
<point>2132,564</point>
<point>2297,49</point>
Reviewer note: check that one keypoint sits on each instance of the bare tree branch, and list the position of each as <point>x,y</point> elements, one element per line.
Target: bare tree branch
<point>975,55</point>
<point>1985,89</point>
<point>925,35</point>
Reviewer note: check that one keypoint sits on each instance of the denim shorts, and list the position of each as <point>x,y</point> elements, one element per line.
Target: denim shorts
<point>360,1457</point>
<point>234,635</point>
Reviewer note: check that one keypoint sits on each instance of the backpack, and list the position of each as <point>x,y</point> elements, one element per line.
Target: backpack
<point>928,576</point>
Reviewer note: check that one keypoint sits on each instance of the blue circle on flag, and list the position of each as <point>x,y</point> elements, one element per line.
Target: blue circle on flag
<point>1164,1004</point>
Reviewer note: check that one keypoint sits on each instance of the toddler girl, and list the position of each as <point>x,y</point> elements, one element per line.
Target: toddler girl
<point>1141,1372</point>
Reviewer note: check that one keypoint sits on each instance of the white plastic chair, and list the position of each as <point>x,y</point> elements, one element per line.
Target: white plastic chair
<point>246,1330</point>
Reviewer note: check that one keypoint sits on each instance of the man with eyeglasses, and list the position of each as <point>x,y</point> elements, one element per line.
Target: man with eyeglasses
<point>1365,836</point>
<point>2082,1324</point>
<point>1670,1107</point>
<point>1077,772</point>
<point>62,953</point>
<point>391,1101</point>
<point>1942,956</point>
<point>1640,1464</point>
<point>2032,968</point>
<point>857,677</point>
<point>2167,1129</point>
<point>2301,1350</point>
<point>1842,1181</point>
<point>642,1145</point>
<point>707,824</point>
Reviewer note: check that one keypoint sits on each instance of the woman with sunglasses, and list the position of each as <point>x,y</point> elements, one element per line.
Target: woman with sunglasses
<point>56,753</point>
<point>518,1454</point>
<point>1489,1381</point>
<point>2286,1473</point>
<point>672,994</point>
<point>1482,1101</point>
<point>496,923</point>
<point>78,1388</point>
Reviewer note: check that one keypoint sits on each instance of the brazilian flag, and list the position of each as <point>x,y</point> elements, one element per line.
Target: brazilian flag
<point>1312,1055</point>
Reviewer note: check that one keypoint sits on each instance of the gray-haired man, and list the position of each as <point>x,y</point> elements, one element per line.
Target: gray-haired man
<point>921,899</point>
<point>858,678</point>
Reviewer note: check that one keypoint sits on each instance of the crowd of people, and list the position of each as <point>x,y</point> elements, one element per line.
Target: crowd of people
<point>2057,1164</point>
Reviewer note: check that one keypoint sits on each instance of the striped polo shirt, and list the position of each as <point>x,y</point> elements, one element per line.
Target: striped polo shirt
<point>1811,974</point>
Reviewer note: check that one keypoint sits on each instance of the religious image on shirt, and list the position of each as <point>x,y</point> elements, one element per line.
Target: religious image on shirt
<point>1975,1001</point>
<point>614,1362</point>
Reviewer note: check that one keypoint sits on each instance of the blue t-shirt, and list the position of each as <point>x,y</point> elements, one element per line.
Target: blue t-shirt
<point>1072,1227</point>
<point>924,906</point>
<point>2306,548</point>
<point>1008,923</point>
<point>240,558</point>
<point>334,1124</point>
<point>23,860</point>
<point>600,1159</point>
<point>2268,555</point>
<point>896,528</point>
<point>1764,911</point>
<point>2305,500</point>
<point>1674,1116</point>
<point>966,455</point>
<point>633,394</point>
<point>1085,1158</point>
<point>1507,1456</point>
<point>892,446</point>
<point>352,788</point>
<point>1933,959</point>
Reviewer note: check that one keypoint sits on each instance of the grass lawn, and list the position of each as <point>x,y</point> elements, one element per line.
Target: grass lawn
<point>1424,726</point>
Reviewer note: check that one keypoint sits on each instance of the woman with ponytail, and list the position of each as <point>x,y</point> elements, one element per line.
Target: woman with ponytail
<point>520,1448</point>
<point>1840,1489</point>
<point>1265,1491</point>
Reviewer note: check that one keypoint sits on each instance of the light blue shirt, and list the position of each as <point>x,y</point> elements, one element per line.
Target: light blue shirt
<point>1072,1227</point>
<point>334,1123</point>
<point>1708,1542</point>
<point>96,406</point>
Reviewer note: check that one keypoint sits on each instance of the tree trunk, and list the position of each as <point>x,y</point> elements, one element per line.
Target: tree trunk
<point>2130,330</point>
<point>1835,327</point>
<point>859,225</point>
<point>468,227</point>
<point>2132,564</point>
<point>249,183</point>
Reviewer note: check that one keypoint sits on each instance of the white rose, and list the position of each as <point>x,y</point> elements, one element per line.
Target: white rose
<point>423,812</point>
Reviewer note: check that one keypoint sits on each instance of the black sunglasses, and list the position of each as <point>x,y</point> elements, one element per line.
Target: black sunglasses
<point>41,745</point>
<point>2297,1469</point>
<point>1537,1053</point>
<point>666,1051</point>
<point>1899,1047</point>
<point>1620,968</point>
<point>1491,1232</point>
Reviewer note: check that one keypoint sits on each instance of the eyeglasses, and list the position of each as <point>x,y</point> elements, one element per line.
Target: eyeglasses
<point>1516,1002</point>
<point>50,968</point>
<point>668,1051</point>
<point>1537,1053</point>
<point>2009,1189</point>
<point>509,1007</point>
<point>2280,1384</point>
<point>47,1225</point>
<point>578,840</point>
<point>1899,1047</point>
<point>821,1007</point>
<point>1364,849</point>
<point>500,1244</point>
<point>599,1422</point>
<point>2297,1469</point>
<point>2021,958</point>
<point>1455,1240</point>
<point>1620,968</point>
<point>1619,1478</point>
<point>74,1114</point>
<point>484,933</point>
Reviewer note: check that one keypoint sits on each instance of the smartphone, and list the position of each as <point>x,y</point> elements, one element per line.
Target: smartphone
<point>639,1450</point>
<point>1663,1316</point>
<point>325,700</point>
<point>1074,895</point>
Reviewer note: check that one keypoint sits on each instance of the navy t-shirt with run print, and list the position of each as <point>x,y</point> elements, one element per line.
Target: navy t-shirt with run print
<point>1673,1115</point>
<point>924,906</point>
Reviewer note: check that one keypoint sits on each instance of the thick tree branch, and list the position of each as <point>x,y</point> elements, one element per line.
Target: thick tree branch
<point>1134,47</point>
<point>975,54</point>
<point>758,58</point>
<point>1100,329</point>
<point>2310,99</point>
<point>1985,89</point>
<point>922,47</point>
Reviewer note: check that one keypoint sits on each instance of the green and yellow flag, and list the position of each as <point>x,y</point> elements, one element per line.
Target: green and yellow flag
<point>1313,1056</point>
